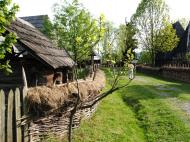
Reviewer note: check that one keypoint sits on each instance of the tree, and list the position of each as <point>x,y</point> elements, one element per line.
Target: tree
<point>127,42</point>
<point>7,14</point>
<point>119,44</point>
<point>109,42</point>
<point>145,58</point>
<point>150,18</point>
<point>166,39</point>
<point>48,28</point>
<point>76,30</point>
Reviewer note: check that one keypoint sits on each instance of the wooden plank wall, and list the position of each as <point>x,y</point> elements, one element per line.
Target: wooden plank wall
<point>12,110</point>
<point>12,80</point>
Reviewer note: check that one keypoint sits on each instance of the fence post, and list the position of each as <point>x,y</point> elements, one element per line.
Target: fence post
<point>2,116</point>
<point>10,117</point>
<point>18,115</point>
<point>25,112</point>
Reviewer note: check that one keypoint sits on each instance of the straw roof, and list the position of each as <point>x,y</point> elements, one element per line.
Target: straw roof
<point>39,46</point>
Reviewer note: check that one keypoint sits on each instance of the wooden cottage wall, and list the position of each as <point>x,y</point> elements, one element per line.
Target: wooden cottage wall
<point>66,74</point>
<point>37,74</point>
<point>14,79</point>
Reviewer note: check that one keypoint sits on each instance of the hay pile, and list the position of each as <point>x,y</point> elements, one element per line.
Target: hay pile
<point>43,99</point>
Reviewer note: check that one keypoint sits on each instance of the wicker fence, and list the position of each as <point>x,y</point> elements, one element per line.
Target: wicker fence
<point>11,113</point>
<point>57,124</point>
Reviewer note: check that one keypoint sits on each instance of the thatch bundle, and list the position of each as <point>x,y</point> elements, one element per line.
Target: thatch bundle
<point>43,99</point>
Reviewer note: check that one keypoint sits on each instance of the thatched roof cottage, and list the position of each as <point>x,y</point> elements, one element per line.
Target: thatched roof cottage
<point>43,62</point>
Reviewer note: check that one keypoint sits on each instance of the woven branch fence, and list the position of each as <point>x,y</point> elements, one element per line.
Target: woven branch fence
<point>57,124</point>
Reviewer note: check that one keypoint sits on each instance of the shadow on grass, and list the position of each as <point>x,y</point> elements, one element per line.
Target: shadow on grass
<point>134,93</point>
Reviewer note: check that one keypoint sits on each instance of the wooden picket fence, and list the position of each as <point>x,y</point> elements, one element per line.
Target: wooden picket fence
<point>12,112</point>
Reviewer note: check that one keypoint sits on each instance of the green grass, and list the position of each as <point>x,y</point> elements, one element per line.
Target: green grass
<point>160,117</point>
<point>150,109</point>
<point>113,122</point>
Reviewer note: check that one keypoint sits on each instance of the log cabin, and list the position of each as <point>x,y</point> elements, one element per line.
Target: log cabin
<point>42,62</point>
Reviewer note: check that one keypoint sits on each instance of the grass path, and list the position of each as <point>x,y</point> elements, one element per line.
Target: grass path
<point>113,122</point>
<point>162,116</point>
<point>149,110</point>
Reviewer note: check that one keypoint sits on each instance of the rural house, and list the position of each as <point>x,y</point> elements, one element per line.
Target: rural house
<point>44,64</point>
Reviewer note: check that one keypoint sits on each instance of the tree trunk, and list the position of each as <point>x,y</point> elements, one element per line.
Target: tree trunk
<point>153,58</point>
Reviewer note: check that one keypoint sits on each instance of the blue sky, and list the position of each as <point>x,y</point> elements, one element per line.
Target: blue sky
<point>114,10</point>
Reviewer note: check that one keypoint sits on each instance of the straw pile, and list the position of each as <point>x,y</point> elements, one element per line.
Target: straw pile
<point>44,99</point>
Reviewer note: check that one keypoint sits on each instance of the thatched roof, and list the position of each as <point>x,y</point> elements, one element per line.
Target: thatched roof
<point>40,46</point>
<point>45,99</point>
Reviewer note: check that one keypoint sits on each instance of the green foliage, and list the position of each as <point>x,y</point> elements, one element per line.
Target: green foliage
<point>7,14</point>
<point>82,72</point>
<point>47,28</point>
<point>76,30</point>
<point>127,41</point>
<point>188,56</point>
<point>119,44</point>
<point>145,57</point>
<point>108,42</point>
<point>166,40</point>
<point>150,19</point>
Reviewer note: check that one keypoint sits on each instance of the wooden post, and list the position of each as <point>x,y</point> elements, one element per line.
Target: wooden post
<point>25,130</point>
<point>25,111</point>
<point>24,78</point>
<point>10,117</point>
<point>2,116</point>
<point>18,115</point>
